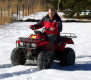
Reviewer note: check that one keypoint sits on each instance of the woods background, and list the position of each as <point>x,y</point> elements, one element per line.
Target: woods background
<point>9,8</point>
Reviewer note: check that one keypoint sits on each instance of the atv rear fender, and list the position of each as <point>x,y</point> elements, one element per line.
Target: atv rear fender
<point>62,43</point>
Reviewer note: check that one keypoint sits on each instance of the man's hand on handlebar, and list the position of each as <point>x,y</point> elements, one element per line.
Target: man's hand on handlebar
<point>49,29</point>
<point>29,26</point>
<point>52,29</point>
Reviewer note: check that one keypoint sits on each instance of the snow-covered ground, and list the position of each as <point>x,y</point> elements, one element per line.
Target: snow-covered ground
<point>80,71</point>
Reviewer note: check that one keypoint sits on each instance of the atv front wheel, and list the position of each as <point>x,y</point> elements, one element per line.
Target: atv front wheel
<point>68,57</point>
<point>44,60</point>
<point>18,56</point>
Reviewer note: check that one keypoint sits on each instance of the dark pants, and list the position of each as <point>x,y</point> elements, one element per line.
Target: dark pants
<point>53,39</point>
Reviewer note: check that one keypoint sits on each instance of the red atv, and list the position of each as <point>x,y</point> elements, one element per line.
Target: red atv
<point>38,47</point>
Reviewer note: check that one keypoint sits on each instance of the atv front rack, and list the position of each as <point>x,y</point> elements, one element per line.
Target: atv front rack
<point>69,35</point>
<point>27,39</point>
<point>24,39</point>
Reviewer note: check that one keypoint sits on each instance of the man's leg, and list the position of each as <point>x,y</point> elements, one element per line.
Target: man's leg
<point>52,39</point>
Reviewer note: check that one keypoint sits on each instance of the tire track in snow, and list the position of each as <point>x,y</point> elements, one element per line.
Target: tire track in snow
<point>12,71</point>
<point>7,75</point>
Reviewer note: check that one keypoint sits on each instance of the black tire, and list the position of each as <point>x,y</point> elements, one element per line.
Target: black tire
<point>44,60</point>
<point>18,56</point>
<point>68,57</point>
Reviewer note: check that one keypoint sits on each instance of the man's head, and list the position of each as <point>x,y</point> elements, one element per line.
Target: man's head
<point>51,12</point>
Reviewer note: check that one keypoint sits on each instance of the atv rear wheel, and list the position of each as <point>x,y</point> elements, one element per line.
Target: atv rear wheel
<point>44,60</point>
<point>68,57</point>
<point>18,56</point>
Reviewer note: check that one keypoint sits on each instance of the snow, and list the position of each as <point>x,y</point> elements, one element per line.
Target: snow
<point>80,71</point>
<point>36,16</point>
<point>40,15</point>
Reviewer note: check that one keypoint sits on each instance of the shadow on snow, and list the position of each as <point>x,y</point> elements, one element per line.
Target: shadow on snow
<point>6,66</point>
<point>83,66</point>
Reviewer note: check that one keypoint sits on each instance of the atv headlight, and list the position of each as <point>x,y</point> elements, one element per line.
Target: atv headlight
<point>33,37</point>
<point>33,45</point>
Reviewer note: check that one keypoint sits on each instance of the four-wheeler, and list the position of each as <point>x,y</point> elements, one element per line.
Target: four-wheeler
<point>38,47</point>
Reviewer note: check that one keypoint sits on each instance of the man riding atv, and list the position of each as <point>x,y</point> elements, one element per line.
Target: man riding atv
<point>45,46</point>
<point>52,22</point>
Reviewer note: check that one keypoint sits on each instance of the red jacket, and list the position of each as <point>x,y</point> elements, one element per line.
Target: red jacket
<point>48,23</point>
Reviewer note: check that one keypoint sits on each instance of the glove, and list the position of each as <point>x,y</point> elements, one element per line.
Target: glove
<point>52,29</point>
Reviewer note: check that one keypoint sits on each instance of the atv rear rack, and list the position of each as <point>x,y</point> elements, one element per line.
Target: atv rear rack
<point>69,35</point>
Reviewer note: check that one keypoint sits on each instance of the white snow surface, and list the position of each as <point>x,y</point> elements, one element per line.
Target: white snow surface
<point>80,71</point>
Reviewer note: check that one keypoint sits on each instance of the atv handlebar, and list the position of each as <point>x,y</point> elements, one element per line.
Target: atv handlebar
<point>70,35</point>
<point>47,29</point>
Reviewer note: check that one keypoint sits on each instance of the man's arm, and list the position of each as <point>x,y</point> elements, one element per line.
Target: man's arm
<point>40,24</point>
